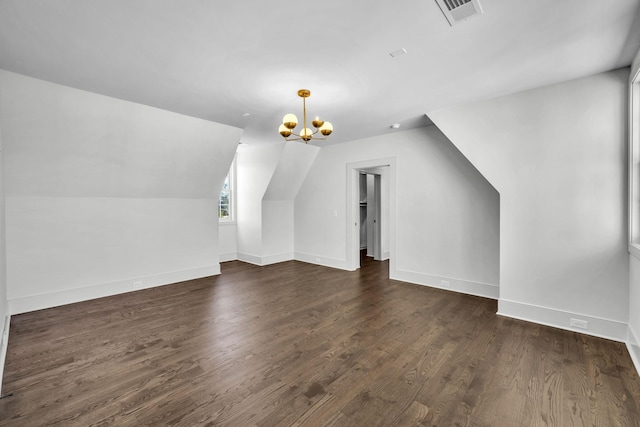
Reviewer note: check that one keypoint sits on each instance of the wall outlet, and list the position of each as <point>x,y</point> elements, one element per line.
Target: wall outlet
<point>577,323</point>
<point>137,284</point>
<point>445,284</point>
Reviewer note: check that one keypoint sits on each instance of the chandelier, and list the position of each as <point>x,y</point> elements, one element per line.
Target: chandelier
<point>290,121</point>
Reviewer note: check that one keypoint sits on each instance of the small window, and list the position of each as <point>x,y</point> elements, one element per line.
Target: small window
<point>227,196</point>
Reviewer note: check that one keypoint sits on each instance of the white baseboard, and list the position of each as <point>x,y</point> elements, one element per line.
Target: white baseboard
<point>229,256</point>
<point>274,259</point>
<point>598,327</point>
<point>633,345</point>
<point>4,345</point>
<point>265,260</point>
<point>54,299</point>
<point>324,261</point>
<point>457,285</point>
<point>251,259</point>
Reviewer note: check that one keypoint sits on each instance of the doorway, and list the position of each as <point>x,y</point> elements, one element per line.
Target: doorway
<point>381,233</point>
<point>370,214</point>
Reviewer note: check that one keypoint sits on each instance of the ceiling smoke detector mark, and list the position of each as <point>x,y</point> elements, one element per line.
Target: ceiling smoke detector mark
<point>398,52</point>
<point>457,11</point>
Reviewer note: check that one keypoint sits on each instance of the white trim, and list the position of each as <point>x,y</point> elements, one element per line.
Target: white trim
<point>4,345</point>
<point>457,285</point>
<point>632,342</point>
<point>54,299</point>
<point>324,261</point>
<point>276,258</point>
<point>633,345</point>
<point>251,259</point>
<point>386,255</point>
<point>598,327</point>
<point>265,260</point>
<point>633,160</point>
<point>228,256</point>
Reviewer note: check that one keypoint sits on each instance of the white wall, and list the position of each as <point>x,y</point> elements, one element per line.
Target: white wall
<point>277,231</point>
<point>228,241</point>
<point>447,214</point>
<point>228,230</point>
<point>105,195</point>
<point>4,311</point>
<point>293,165</point>
<point>269,177</point>
<point>255,166</point>
<point>277,204</point>
<point>557,155</point>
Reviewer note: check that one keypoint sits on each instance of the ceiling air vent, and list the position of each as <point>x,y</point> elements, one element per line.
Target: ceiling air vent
<point>459,10</point>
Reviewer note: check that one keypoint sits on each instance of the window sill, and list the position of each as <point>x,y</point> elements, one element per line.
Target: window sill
<point>634,249</point>
<point>233,222</point>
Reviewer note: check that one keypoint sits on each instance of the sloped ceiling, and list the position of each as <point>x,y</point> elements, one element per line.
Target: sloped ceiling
<point>218,60</point>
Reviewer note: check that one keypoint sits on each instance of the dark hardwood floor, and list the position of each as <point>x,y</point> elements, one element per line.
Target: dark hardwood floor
<point>298,344</point>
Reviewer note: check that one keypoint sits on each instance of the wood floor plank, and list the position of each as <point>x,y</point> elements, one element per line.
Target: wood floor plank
<point>295,344</point>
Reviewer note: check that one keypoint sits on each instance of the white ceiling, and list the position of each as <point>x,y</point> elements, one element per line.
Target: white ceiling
<point>220,59</point>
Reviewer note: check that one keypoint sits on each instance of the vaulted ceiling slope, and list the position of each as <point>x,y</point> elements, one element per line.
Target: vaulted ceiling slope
<point>218,60</point>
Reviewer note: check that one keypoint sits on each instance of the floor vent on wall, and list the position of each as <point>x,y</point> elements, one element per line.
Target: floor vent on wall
<point>457,11</point>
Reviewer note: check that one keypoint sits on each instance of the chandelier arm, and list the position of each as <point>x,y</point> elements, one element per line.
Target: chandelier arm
<point>298,137</point>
